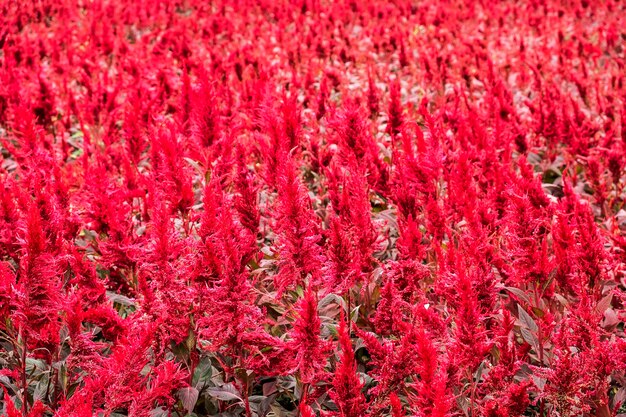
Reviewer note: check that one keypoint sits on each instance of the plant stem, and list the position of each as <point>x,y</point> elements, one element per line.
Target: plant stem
<point>24,382</point>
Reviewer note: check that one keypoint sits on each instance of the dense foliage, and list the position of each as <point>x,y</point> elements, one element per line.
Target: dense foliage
<point>337,208</point>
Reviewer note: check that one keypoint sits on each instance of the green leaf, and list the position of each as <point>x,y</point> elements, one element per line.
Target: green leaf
<point>203,373</point>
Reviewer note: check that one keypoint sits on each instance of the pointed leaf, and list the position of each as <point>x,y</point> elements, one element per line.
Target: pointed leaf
<point>604,303</point>
<point>225,393</point>
<point>189,397</point>
<point>526,320</point>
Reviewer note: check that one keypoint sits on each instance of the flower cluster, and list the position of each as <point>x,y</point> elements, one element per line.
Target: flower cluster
<point>312,207</point>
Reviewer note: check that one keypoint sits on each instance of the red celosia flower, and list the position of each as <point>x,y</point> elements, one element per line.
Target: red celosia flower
<point>311,352</point>
<point>181,181</point>
<point>347,386</point>
<point>298,238</point>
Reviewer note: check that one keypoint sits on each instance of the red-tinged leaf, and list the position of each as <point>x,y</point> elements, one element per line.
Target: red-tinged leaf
<point>520,294</point>
<point>226,392</point>
<point>189,397</point>
<point>604,303</point>
<point>530,338</point>
<point>610,319</point>
<point>526,320</point>
<point>269,388</point>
